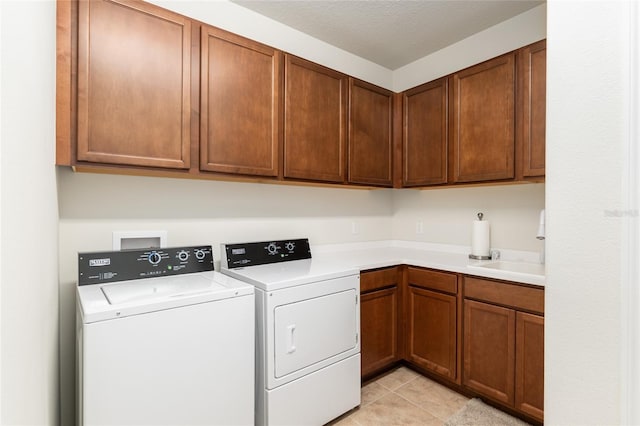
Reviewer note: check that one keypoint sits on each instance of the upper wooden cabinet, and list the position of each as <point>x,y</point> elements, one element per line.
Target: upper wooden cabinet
<point>532,97</point>
<point>315,105</point>
<point>370,134</point>
<point>143,90</point>
<point>425,134</point>
<point>239,104</point>
<point>483,121</point>
<point>134,84</point>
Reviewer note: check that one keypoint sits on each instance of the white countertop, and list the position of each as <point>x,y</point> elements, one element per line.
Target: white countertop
<point>379,254</point>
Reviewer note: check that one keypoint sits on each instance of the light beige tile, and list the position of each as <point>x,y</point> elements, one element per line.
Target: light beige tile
<point>372,392</point>
<point>397,378</point>
<point>438,400</point>
<point>346,420</point>
<point>392,410</point>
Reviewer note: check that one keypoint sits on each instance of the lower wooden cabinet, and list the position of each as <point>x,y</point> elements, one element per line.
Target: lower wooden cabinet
<point>530,364</point>
<point>431,321</point>
<point>479,335</point>
<point>489,350</point>
<point>503,345</point>
<point>379,316</point>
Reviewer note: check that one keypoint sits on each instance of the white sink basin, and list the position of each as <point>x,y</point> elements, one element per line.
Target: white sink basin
<point>516,267</point>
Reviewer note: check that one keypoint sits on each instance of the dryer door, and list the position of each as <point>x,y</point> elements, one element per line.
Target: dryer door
<point>314,330</point>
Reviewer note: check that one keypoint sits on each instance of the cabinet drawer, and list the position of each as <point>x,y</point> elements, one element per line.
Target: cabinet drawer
<point>378,278</point>
<point>433,280</point>
<point>501,293</point>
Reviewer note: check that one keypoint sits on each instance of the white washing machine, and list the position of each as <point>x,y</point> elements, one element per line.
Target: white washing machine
<point>307,332</point>
<point>162,339</point>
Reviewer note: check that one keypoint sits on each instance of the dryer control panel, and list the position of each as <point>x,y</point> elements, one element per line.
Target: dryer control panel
<point>252,254</point>
<point>124,265</point>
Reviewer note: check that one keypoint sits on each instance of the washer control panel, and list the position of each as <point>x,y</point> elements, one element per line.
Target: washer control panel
<point>252,254</point>
<point>124,265</point>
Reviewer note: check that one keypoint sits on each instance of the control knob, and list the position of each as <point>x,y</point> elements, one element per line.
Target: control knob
<point>154,258</point>
<point>183,255</point>
<point>272,248</point>
<point>290,245</point>
<point>200,254</point>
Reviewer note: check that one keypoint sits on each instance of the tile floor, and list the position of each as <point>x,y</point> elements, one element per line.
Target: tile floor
<point>403,397</point>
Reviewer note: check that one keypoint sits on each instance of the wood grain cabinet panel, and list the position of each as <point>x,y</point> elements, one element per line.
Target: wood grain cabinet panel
<point>134,84</point>
<point>445,282</point>
<point>239,113</point>
<point>489,350</point>
<point>425,134</point>
<point>432,331</point>
<point>370,134</point>
<point>532,78</point>
<point>379,319</point>
<point>315,121</point>
<point>483,121</point>
<point>530,365</point>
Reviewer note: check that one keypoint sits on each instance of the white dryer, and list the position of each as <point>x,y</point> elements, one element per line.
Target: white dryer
<point>162,339</point>
<point>307,332</point>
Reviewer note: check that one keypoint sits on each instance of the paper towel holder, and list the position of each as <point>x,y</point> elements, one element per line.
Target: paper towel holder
<point>475,256</point>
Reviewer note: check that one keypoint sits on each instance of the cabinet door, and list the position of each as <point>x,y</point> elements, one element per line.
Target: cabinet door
<point>379,324</point>
<point>532,75</point>
<point>315,121</point>
<point>489,350</point>
<point>483,134</point>
<point>530,364</point>
<point>239,112</point>
<point>432,331</point>
<point>370,134</point>
<point>425,134</point>
<point>134,69</point>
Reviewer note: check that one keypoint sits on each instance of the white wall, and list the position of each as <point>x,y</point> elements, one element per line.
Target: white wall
<point>587,136</point>
<point>509,35</point>
<point>1,197</point>
<point>29,221</point>
<point>239,20</point>
<point>447,214</point>
<point>631,269</point>
<point>521,30</point>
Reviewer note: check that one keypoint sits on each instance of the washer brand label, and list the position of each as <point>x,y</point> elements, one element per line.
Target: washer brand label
<point>100,262</point>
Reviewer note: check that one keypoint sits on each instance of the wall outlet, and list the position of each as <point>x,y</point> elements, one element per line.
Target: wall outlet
<point>355,230</point>
<point>419,227</point>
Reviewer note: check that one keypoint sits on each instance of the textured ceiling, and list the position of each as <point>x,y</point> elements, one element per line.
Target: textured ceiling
<point>391,33</point>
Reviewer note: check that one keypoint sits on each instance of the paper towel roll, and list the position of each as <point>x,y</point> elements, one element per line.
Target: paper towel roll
<point>480,238</point>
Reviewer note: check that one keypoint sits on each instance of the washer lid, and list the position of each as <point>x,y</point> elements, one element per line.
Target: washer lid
<point>121,299</point>
<point>132,291</point>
